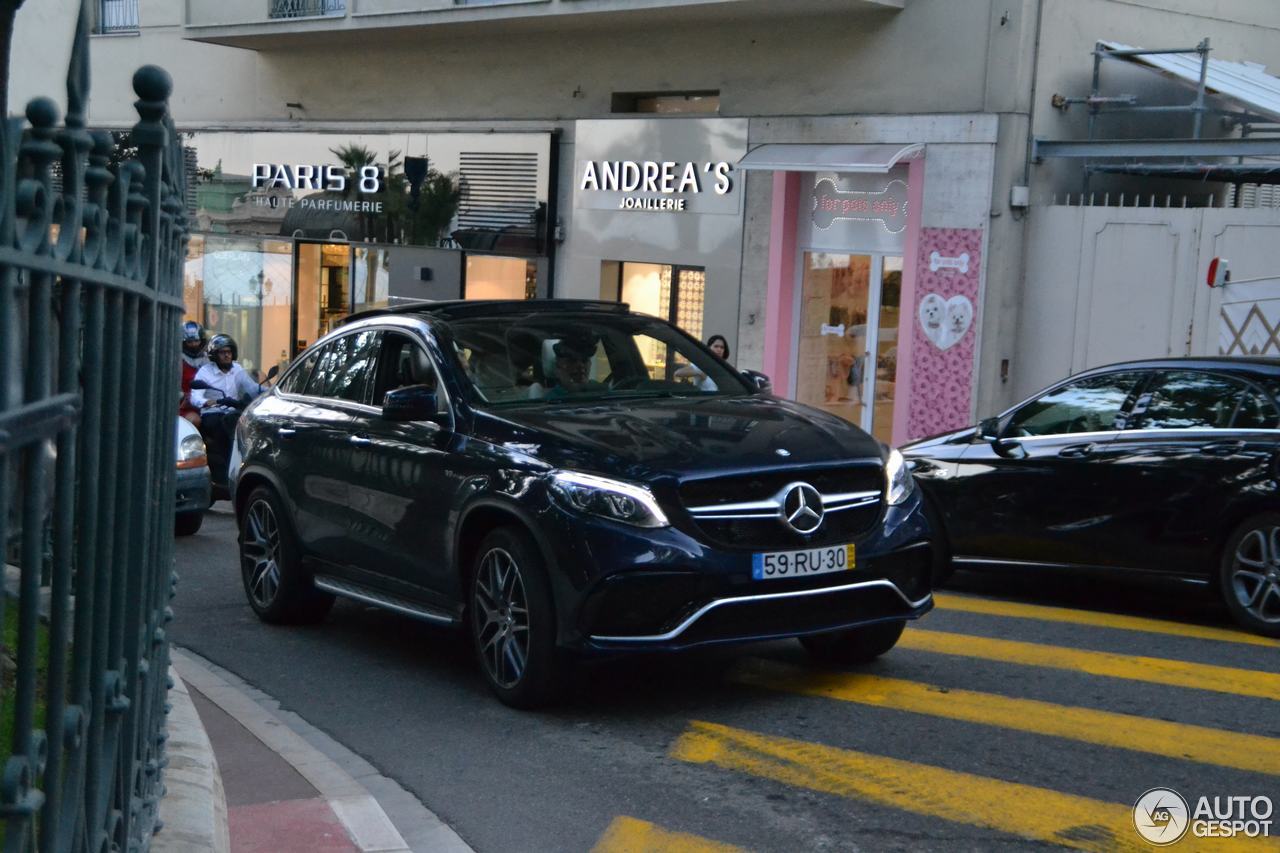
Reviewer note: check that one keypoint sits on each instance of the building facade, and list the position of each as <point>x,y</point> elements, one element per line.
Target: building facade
<point>830,184</point>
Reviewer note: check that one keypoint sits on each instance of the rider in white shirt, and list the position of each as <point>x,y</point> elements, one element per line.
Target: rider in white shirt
<point>225,378</point>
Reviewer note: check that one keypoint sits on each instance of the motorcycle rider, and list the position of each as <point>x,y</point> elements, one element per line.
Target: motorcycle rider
<point>194,342</point>
<point>225,380</point>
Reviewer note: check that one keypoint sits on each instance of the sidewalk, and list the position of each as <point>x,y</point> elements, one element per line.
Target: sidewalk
<point>288,786</point>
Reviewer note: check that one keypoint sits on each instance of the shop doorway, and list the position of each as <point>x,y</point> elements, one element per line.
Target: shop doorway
<point>847,336</point>
<point>321,290</point>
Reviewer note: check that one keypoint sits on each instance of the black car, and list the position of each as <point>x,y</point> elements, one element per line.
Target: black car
<point>565,477</point>
<point>1163,469</point>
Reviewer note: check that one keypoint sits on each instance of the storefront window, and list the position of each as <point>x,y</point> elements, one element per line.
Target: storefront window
<point>242,286</point>
<point>490,277</point>
<point>370,278</point>
<point>676,294</point>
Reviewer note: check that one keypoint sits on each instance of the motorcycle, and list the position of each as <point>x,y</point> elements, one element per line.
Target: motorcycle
<point>225,414</point>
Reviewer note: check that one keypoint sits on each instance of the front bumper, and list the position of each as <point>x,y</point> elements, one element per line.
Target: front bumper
<point>194,490</point>
<point>622,589</point>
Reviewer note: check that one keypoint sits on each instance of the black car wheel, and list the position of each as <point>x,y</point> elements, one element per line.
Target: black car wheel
<point>279,590</point>
<point>513,620</point>
<point>1250,574</point>
<point>854,645</point>
<point>187,523</point>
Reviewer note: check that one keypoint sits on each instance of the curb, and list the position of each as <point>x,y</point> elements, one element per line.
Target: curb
<point>193,810</point>
<point>339,775</point>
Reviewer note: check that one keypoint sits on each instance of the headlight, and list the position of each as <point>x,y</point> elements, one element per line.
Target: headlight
<point>612,499</point>
<point>898,481</point>
<point>191,452</point>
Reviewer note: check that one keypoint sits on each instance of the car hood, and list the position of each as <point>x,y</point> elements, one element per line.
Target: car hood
<point>678,437</point>
<point>923,446</point>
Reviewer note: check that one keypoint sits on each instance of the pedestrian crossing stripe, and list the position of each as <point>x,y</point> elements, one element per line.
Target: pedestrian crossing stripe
<point>1017,610</point>
<point>1253,753</point>
<point>629,835</point>
<point>1199,676</point>
<point>1013,808</point>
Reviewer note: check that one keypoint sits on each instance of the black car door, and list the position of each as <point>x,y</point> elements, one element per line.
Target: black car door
<point>320,448</point>
<point>403,485</point>
<point>1041,492</point>
<point>1196,447</point>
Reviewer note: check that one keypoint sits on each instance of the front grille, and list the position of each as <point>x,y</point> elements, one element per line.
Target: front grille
<point>861,486</point>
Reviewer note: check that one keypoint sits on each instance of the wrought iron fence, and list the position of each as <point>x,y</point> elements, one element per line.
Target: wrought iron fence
<point>90,305</point>
<point>118,16</point>
<point>306,8</point>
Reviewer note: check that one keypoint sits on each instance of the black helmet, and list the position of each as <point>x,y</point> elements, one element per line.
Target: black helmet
<point>192,332</point>
<point>221,341</point>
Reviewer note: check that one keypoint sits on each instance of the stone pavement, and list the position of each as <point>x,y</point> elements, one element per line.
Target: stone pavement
<point>270,783</point>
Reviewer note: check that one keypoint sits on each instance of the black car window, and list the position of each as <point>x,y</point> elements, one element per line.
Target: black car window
<point>326,362</point>
<point>1256,411</point>
<point>296,380</point>
<point>352,373</point>
<point>1190,399</point>
<point>1088,405</point>
<point>403,362</point>
<point>343,368</point>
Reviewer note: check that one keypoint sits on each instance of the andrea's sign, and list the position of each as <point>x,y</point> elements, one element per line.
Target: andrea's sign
<point>653,185</point>
<point>665,166</point>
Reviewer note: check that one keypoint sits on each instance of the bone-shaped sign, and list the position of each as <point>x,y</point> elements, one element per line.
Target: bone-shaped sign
<point>938,261</point>
<point>838,331</point>
<point>889,205</point>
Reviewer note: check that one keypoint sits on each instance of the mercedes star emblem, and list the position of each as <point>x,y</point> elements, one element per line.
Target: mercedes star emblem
<point>802,508</point>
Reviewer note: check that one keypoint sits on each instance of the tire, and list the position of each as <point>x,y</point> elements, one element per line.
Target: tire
<point>511,619</point>
<point>278,588</point>
<point>854,645</point>
<point>187,523</point>
<point>1249,574</point>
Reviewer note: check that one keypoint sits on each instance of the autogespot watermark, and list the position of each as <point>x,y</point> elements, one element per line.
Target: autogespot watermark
<point>1163,817</point>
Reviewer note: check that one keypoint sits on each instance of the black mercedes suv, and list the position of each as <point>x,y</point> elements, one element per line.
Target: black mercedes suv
<point>565,478</point>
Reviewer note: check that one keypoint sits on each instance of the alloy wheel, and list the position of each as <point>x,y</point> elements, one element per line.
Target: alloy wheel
<point>1255,573</point>
<point>260,553</point>
<point>500,611</point>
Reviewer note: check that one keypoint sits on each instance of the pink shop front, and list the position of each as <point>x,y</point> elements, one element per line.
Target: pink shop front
<point>869,314</point>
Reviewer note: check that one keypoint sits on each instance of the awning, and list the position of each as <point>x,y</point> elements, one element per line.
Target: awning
<point>1247,84</point>
<point>775,157</point>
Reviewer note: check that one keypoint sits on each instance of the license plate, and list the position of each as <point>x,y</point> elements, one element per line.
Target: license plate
<point>791,564</point>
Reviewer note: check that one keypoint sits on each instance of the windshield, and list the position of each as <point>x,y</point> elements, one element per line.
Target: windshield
<point>544,357</point>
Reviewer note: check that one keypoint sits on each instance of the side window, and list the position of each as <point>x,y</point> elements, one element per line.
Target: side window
<point>1090,405</point>
<point>296,381</point>
<point>353,372</point>
<point>1257,411</point>
<point>325,362</point>
<point>403,362</point>
<point>1189,399</point>
<point>343,368</point>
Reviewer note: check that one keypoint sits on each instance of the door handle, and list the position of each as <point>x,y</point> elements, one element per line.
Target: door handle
<point>286,432</point>
<point>1222,448</point>
<point>1078,451</point>
<point>360,441</point>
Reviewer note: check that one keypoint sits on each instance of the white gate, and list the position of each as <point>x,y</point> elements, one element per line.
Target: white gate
<point>1107,284</point>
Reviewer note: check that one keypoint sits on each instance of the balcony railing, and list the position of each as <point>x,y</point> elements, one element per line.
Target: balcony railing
<point>307,8</point>
<point>118,16</point>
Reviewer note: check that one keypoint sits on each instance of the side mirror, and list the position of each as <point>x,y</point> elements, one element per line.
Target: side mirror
<point>758,380</point>
<point>989,429</point>
<point>413,403</point>
<point>273,372</point>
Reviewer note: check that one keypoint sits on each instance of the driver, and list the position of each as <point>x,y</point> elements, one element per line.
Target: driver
<point>194,343</point>
<point>224,378</point>
<point>573,369</point>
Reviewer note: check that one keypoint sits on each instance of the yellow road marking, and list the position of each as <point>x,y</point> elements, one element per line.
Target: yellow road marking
<point>1022,810</point>
<point>1123,731</point>
<point>1098,620</point>
<point>1201,676</point>
<point>629,835</point>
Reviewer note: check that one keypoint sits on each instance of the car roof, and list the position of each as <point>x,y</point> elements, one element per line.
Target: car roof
<point>456,309</point>
<point>1253,363</point>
